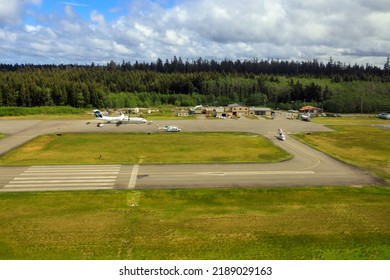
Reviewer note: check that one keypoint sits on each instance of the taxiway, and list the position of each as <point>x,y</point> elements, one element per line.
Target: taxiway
<point>308,167</point>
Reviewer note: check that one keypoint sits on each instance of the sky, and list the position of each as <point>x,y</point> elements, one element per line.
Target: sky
<point>86,31</point>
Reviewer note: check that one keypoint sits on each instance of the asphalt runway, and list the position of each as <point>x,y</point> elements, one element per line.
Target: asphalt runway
<point>308,167</point>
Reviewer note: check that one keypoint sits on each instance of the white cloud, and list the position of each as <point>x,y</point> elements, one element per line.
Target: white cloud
<point>97,17</point>
<point>72,27</point>
<point>33,29</point>
<point>147,31</point>
<point>74,4</point>
<point>8,37</point>
<point>288,29</point>
<point>11,11</point>
<point>41,47</point>
<point>173,37</point>
<point>69,11</point>
<point>121,49</point>
<point>376,5</point>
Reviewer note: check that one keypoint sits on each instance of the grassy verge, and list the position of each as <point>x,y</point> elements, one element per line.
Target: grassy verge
<point>70,113</point>
<point>277,223</point>
<point>351,120</point>
<point>84,148</point>
<point>44,113</point>
<point>166,114</point>
<point>355,142</point>
<point>263,223</point>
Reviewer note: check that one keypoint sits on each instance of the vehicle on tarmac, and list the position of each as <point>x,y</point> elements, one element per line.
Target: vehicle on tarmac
<point>384,116</point>
<point>305,118</point>
<point>169,128</point>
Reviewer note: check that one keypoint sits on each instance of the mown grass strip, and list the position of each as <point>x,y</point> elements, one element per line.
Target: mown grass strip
<point>361,145</point>
<point>43,111</point>
<point>141,148</point>
<point>262,223</point>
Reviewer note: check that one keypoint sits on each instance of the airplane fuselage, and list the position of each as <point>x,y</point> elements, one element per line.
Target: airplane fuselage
<point>134,120</point>
<point>122,119</point>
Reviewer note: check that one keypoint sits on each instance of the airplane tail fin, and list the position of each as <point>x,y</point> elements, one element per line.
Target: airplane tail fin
<point>97,114</point>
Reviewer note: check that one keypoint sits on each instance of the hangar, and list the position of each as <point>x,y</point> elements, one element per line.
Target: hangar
<point>260,111</point>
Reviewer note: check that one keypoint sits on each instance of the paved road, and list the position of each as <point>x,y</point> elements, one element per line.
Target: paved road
<point>308,167</point>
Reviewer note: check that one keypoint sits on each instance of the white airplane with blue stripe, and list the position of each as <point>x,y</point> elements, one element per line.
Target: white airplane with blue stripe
<point>118,120</point>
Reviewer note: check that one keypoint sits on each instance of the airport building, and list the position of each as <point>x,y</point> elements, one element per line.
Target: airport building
<point>310,110</point>
<point>260,111</point>
<point>230,111</point>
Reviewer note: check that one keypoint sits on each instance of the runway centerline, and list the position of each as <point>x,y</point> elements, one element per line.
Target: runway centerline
<point>254,173</point>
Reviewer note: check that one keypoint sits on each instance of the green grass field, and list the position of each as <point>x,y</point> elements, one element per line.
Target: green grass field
<point>44,113</point>
<point>251,223</point>
<point>106,148</point>
<point>69,113</point>
<point>355,141</point>
<point>258,223</point>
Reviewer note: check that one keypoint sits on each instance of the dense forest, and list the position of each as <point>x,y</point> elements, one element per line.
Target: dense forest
<point>334,86</point>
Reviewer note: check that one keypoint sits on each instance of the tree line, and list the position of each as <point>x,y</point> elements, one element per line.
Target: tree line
<point>335,86</point>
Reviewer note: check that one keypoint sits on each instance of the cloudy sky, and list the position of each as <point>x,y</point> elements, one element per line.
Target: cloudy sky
<point>86,31</point>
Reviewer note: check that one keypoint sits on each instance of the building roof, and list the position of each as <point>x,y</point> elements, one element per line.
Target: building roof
<point>307,108</point>
<point>259,109</point>
<point>235,105</point>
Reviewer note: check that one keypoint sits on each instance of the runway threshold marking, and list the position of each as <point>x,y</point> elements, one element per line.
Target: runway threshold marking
<point>133,177</point>
<point>65,177</point>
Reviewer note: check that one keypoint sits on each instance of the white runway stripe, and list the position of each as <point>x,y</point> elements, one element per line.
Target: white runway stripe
<point>58,178</point>
<point>71,168</point>
<point>28,173</point>
<point>60,181</point>
<point>133,177</point>
<point>65,178</point>
<point>56,185</point>
<point>275,172</point>
<point>23,189</point>
<point>74,166</point>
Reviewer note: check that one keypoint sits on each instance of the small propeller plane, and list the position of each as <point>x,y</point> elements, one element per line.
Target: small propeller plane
<point>169,128</point>
<point>281,135</point>
<point>122,119</point>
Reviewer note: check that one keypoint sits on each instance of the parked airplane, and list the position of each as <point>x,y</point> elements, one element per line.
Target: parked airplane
<point>169,128</point>
<point>281,135</point>
<point>99,116</point>
<point>122,119</point>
